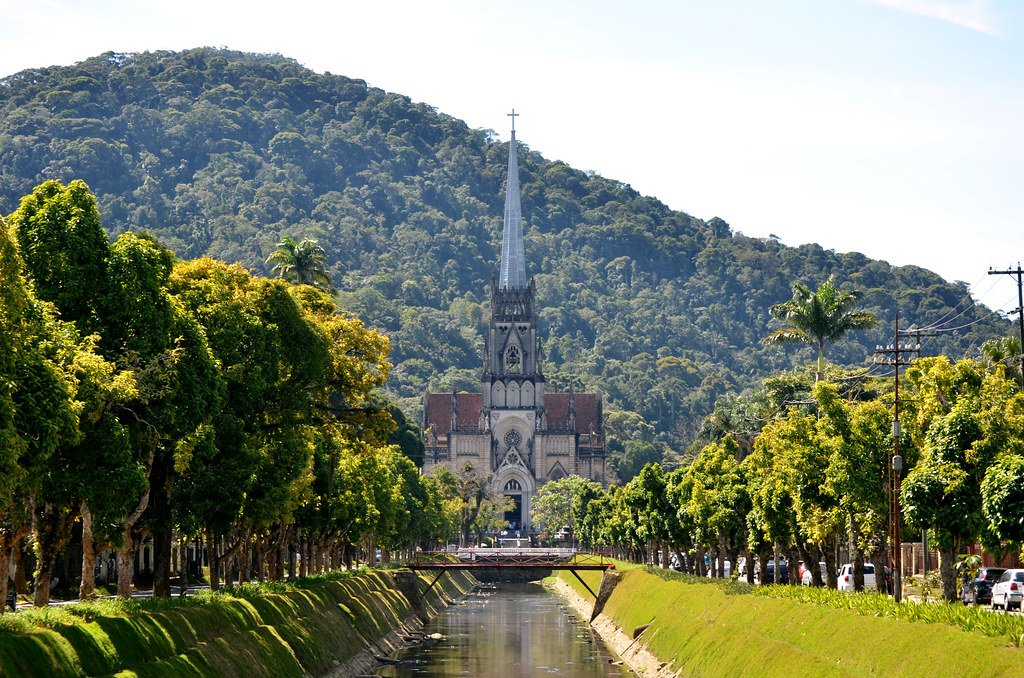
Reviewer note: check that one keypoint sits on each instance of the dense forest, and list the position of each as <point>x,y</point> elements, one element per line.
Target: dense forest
<point>223,153</point>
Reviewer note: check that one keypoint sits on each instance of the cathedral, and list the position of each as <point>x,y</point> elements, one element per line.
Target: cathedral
<point>513,430</point>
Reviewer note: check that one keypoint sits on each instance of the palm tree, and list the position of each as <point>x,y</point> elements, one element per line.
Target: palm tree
<point>302,263</point>
<point>825,314</point>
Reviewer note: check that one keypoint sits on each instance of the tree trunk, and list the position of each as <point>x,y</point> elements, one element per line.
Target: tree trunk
<point>162,562</point>
<point>947,572</point>
<point>10,544</point>
<point>858,569</point>
<point>5,564</point>
<point>245,560</point>
<point>293,550</point>
<point>20,567</point>
<point>126,555</point>
<point>87,587</point>
<point>126,564</point>
<point>214,559</point>
<point>794,557</point>
<point>51,530</point>
<point>831,567</point>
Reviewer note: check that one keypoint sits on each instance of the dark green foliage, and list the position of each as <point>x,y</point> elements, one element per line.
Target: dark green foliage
<point>224,153</point>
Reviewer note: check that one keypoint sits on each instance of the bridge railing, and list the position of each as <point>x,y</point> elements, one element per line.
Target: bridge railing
<point>511,557</point>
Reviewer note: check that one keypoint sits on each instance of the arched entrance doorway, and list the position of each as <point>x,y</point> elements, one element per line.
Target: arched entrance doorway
<point>514,516</point>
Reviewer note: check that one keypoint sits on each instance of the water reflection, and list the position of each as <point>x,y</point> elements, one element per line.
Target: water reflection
<point>515,630</point>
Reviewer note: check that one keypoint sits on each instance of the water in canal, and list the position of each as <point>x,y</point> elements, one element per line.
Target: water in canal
<point>513,631</point>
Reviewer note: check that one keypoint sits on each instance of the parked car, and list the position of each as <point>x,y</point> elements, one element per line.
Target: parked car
<point>846,577</point>
<point>978,591</point>
<point>1008,590</point>
<point>783,573</point>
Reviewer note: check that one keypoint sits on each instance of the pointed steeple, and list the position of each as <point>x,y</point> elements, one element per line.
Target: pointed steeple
<point>513,262</point>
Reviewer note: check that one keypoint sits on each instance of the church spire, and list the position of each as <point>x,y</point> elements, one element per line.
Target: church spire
<point>513,262</point>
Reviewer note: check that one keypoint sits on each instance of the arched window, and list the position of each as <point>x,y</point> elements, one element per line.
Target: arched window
<point>513,485</point>
<point>512,359</point>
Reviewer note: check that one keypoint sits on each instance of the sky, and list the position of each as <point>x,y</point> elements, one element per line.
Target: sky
<point>894,128</point>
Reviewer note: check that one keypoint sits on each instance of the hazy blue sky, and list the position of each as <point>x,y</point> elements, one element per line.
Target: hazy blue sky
<point>888,127</point>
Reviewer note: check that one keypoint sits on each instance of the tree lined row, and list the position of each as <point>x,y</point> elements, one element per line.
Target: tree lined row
<point>816,476</point>
<point>145,395</point>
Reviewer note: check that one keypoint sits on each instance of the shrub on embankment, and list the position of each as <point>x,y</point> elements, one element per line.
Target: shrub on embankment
<point>705,628</point>
<point>256,630</point>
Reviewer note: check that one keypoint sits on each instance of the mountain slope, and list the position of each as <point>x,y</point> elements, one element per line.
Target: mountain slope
<point>220,153</point>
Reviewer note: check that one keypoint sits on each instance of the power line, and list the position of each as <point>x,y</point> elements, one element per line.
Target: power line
<point>967,298</point>
<point>973,322</point>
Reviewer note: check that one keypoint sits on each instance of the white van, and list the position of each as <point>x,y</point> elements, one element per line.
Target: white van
<point>846,577</point>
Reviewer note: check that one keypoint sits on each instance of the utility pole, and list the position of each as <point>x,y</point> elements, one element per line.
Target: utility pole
<point>917,333</point>
<point>1019,310</point>
<point>893,354</point>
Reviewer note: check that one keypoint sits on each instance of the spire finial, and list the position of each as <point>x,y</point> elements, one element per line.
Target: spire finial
<point>512,273</point>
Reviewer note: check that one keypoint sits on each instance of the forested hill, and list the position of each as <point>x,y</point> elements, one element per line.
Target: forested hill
<point>221,153</point>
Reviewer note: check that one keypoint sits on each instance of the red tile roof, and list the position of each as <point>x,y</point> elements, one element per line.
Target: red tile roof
<point>588,411</point>
<point>437,412</point>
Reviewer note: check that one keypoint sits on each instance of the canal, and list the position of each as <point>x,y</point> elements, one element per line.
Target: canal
<point>512,631</point>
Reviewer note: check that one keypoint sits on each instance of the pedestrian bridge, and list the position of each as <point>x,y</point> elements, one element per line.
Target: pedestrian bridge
<point>521,559</point>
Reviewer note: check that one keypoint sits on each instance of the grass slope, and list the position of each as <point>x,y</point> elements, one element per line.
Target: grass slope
<point>270,630</point>
<point>702,630</point>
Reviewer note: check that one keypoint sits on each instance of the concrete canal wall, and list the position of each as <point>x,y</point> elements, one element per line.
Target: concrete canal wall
<point>329,627</point>
<point>665,627</point>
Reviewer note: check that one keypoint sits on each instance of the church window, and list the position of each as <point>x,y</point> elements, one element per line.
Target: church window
<point>513,439</point>
<point>512,359</point>
<point>513,485</point>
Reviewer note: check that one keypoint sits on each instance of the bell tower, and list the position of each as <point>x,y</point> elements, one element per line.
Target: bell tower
<point>513,377</point>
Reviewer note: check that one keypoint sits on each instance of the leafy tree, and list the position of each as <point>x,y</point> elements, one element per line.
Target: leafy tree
<point>718,500</point>
<point>961,426</point>
<point>1002,497</point>
<point>38,413</point>
<point>819,316</point>
<point>562,502</point>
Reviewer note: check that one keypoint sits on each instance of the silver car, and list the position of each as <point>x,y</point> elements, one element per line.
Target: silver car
<point>1008,591</point>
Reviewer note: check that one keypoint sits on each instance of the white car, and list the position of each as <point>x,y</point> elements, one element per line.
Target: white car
<point>846,577</point>
<point>1008,590</point>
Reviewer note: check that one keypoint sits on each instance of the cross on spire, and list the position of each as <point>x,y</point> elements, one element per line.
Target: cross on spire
<point>512,273</point>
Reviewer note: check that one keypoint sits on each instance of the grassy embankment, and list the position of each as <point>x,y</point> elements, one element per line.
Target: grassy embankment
<point>258,630</point>
<point>717,629</point>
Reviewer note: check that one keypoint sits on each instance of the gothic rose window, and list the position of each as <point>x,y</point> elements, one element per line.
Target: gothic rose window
<point>512,359</point>
<point>513,439</point>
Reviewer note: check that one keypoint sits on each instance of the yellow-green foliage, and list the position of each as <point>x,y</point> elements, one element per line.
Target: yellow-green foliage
<point>704,631</point>
<point>255,631</point>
